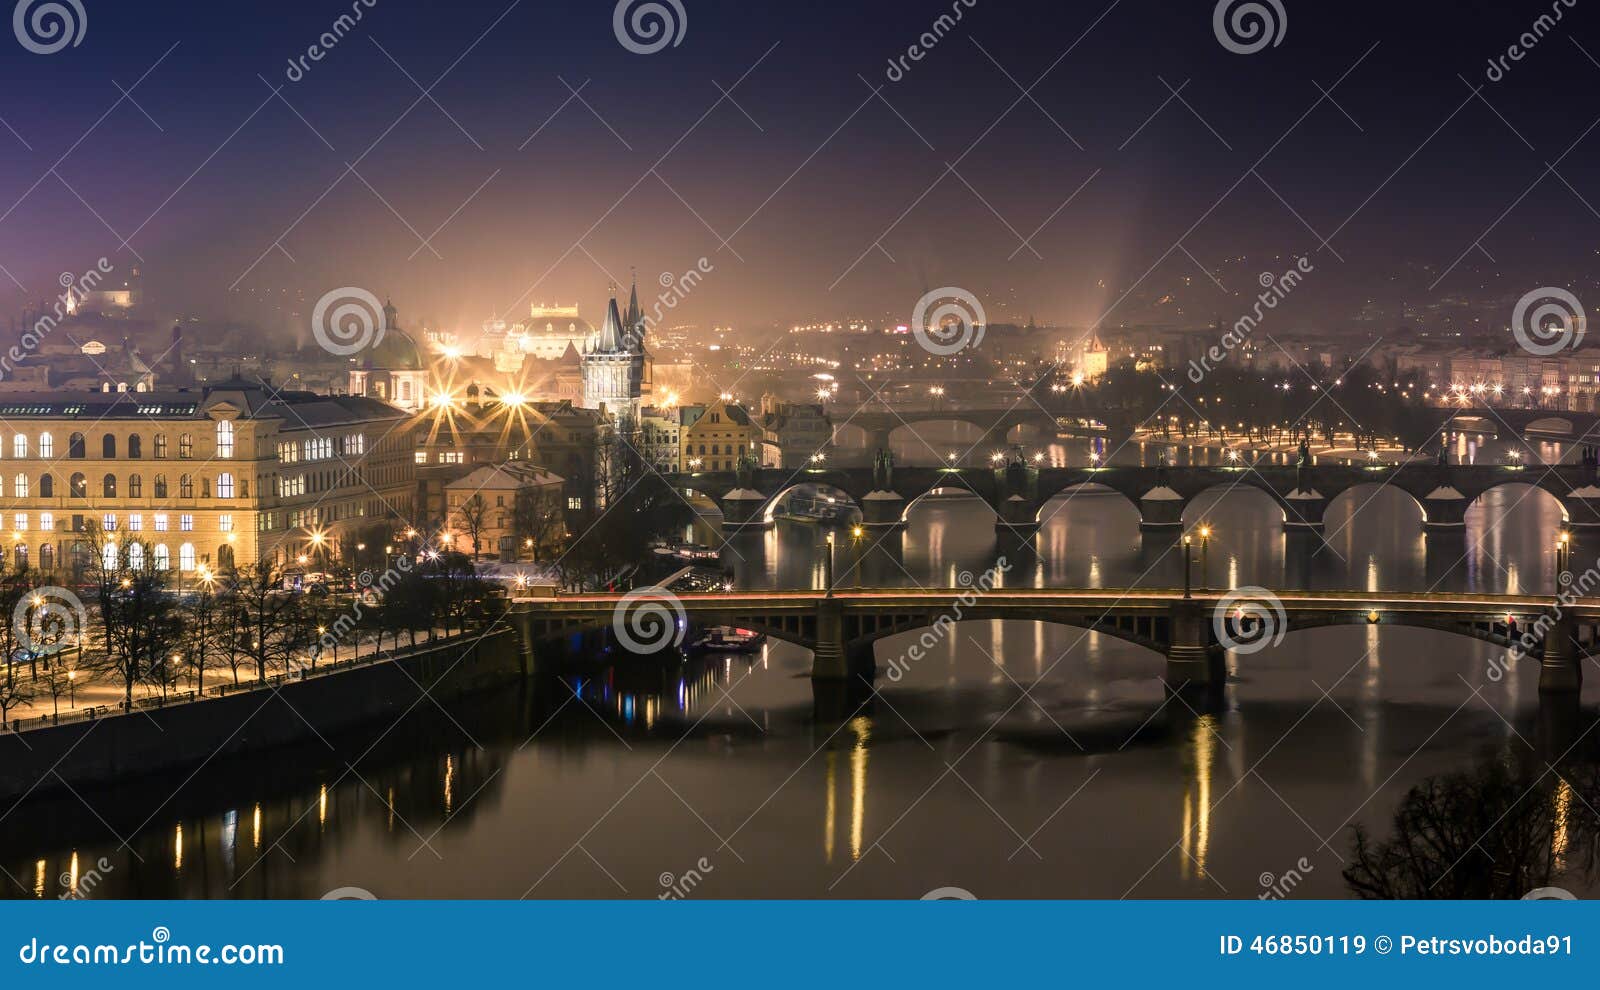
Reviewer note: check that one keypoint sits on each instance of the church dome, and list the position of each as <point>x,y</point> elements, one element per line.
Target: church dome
<point>397,351</point>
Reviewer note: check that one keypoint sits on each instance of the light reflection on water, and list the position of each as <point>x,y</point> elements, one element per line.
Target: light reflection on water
<point>1013,759</point>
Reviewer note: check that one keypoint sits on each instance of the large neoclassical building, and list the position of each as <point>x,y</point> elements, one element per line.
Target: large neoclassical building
<point>209,477</point>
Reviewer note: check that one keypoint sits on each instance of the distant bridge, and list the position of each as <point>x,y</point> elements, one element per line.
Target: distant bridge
<point>841,628</point>
<point>1056,418</point>
<point>1017,495</point>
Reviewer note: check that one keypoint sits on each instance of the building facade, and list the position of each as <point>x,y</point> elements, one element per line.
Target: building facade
<point>214,477</point>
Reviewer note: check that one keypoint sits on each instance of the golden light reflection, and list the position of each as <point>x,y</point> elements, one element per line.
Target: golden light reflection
<point>1560,838</point>
<point>449,782</point>
<point>322,805</point>
<point>831,810</point>
<point>177,848</point>
<point>38,879</point>
<point>72,873</point>
<point>862,727</point>
<point>1196,840</point>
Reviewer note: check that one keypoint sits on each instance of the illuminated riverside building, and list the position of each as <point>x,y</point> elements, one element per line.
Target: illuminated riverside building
<point>210,478</point>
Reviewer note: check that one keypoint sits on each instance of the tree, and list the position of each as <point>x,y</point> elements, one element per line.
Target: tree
<point>636,507</point>
<point>143,624</point>
<point>203,617</point>
<point>1497,832</point>
<point>12,693</point>
<point>473,515</point>
<point>271,620</point>
<point>537,522</point>
<point>57,682</point>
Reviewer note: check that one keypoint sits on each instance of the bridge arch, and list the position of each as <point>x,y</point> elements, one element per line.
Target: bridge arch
<point>1542,492</point>
<point>1358,496</point>
<point>1208,500</point>
<point>941,490</point>
<point>862,631</point>
<point>824,492</point>
<point>1057,502</point>
<point>1551,424</point>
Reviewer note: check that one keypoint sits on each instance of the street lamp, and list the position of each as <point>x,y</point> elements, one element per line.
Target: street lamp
<point>827,569</point>
<point>1563,560</point>
<point>1187,560</point>
<point>1205,555</point>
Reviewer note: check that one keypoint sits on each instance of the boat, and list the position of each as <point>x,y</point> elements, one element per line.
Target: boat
<point>727,639</point>
<point>689,553</point>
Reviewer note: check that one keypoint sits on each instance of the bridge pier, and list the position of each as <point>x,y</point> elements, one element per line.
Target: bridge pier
<point>1161,508</point>
<point>1444,510</point>
<point>883,510</point>
<point>1583,507</point>
<point>833,659</point>
<point>1018,515</point>
<point>1192,660</point>
<point>1560,669</point>
<point>744,509</point>
<point>1304,511</point>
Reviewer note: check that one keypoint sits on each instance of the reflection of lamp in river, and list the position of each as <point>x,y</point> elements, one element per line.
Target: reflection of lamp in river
<point>830,810</point>
<point>862,727</point>
<point>1196,839</point>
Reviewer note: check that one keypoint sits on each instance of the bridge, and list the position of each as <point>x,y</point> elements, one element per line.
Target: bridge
<point>1017,494</point>
<point>1056,418</point>
<point>841,628</point>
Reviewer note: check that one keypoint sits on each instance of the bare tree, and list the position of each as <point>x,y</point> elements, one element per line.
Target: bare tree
<point>12,693</point>
<point>473,515</point>
<point>142,621</point>
<point>270,618</point>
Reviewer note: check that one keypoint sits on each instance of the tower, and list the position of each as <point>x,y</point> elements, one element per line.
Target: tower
<point>613,365</point>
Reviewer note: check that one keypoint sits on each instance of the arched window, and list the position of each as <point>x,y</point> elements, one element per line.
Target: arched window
<point>20,558</point>
<point>186,557</point>
<point>161,486</point>
<point>136,556</point>
<point>224,485</point>
<point>224,438</point>
<point>78,486</point>
<point>75,449</point>
<point>108,446</point>
<point>135,447</point>
<point>47,486</point>
<point>185,446</point>
<point>163,557</point>
<point>19,445</point>
<point>185,486</point>
<point>108,486</point>
<point>19,486</point>
<point>225,557</point>
<point>47,445</point>
<point>47,557</point>
<point>108,557</point>
<point>161,446</point>
<point>135,486</point>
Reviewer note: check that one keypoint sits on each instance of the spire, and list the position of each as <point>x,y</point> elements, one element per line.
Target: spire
<point>611,340</point>
<point>635,321</point>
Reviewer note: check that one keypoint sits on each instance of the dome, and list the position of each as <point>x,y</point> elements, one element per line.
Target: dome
<point>395,352</point>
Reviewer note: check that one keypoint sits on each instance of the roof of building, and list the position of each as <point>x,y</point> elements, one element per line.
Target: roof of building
<point>509,476</point>
<point>252,400</point>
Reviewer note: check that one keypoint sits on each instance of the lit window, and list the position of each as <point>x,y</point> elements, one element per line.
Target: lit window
<point>161,522</point>
<point>575,502</point>
<point>108,557</point>
<point>225,523</point>
<point>224,438</point>
<point>186,557</point>
<point>20,521</point>
<point>135,522</point>
<point>186,522</point>
<point>19,486</point>
<point>108,522</point>
<point>224,485</point>
<point>422,457</point>
<point>136,556</point>
<point>19,446</point>
<point>47,445</point>
<point>47,521</point>
<point>163,557</point>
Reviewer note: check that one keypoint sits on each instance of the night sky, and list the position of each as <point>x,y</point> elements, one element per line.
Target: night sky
<point>805,185</point>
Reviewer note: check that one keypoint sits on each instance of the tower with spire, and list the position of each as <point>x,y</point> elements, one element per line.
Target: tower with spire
<point>613,363</point>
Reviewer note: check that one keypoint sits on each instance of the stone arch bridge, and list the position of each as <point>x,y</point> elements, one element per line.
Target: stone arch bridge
<point>1017,494</point>
<point>842,628</point>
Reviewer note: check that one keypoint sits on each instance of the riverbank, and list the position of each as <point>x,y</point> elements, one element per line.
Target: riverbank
<point>118,745</point>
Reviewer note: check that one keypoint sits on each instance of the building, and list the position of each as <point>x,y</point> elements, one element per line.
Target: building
<point>392,370</point>
<point>714,437</point>
<point>659,444</point>
<point>793,433</point>
<point>550,330</point>
<point>215,477</point>
<point>485,428</point>
<point>487,498</point>
<point>615,364</point>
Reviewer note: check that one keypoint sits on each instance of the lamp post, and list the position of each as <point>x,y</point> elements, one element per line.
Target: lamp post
<point>1563,561</point>
<point>1188,559</point>
<point>827,569</point>
<point>1205,556</point>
